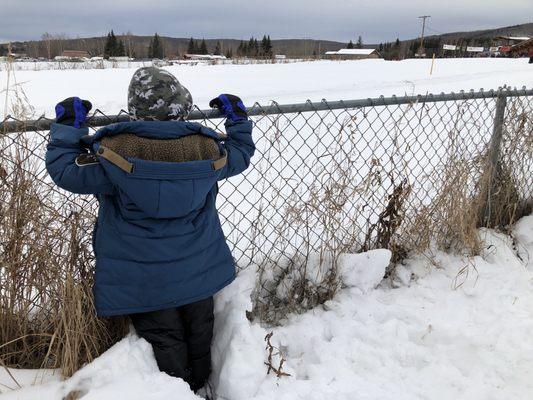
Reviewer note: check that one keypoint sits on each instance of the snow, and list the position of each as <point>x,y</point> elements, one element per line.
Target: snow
<point>126,371</point>
<point>448,327</point>
<point>284,83</point>
<point>365,270</point>
<point>357,52</point>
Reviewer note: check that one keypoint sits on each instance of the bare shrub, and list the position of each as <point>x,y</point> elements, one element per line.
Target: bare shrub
<point>318,221</point>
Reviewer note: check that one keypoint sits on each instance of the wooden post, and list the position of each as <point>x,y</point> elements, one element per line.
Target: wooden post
<point>494,155</point>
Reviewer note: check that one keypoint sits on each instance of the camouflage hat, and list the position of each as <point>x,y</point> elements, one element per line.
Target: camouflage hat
<point>156,94</point>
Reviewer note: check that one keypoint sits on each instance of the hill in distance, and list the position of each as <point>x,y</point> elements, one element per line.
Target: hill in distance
<point>138,45</point>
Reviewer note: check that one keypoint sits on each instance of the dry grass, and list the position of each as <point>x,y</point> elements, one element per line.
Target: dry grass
<point>46,310</point>
<point>47,318</point>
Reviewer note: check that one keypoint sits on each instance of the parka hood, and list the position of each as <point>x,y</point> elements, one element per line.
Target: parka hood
<point>158,189</point>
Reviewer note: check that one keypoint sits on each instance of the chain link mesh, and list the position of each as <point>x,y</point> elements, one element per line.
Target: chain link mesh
<point>338,180</point>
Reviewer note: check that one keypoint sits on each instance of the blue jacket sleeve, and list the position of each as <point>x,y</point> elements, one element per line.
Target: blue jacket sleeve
<point>239,147</point>
<point>61,153</point>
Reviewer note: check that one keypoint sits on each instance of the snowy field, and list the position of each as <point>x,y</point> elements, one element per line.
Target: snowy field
<point>435,333</point>
<point>283,83</point>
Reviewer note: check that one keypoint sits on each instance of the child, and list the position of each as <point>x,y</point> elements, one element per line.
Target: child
<point>160,251</point>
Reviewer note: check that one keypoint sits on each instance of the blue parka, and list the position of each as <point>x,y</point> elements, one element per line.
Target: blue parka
<point>157,240</point>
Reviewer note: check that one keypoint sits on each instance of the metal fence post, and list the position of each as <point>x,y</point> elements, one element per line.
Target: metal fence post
<point>494,154</point>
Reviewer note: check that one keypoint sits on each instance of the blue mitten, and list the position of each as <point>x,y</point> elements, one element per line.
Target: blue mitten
<point>73,111</point>
<point>230,106</point>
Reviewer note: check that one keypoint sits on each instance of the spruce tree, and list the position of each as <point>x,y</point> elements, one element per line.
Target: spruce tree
<point>191,48</point>
<point>229,53</point>
<point>121,49</point>
<point>263,51</point>
<point>155,49</point>
<point>350,45</point>
<point>359,42</point>
<point>203,47</point>
<point>250,48</point>
<point>111,46</point>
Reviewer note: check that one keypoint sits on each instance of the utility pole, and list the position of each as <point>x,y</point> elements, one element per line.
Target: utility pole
<point>421,48</point>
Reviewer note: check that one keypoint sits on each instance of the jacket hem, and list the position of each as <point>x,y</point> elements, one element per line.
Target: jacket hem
<point>136,310</point>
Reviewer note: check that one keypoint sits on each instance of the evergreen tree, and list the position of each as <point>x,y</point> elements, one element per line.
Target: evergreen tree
<point>266,46</point>
<point>250,48</point>
<point>350,45</point>
<point>121,49</point>
<point>229,53</point>
<point>217,51</point>
<point>111,45</point>
<point>191,48</point>
<point>396,50</point>
<point>359,42</point>
<point>203,47</point>
<point>155,49</point>
<point>270,47</point>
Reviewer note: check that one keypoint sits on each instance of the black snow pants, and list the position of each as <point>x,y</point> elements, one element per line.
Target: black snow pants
<point>181,339</point>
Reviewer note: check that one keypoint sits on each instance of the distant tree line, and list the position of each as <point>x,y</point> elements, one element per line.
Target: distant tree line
<point>358,45</point>
<point>253,48</point>
<point>114,47</point>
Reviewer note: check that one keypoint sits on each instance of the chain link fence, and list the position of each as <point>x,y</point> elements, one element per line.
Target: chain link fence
<point>329,178</point>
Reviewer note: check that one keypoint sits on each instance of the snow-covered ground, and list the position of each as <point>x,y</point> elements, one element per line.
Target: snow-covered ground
<point>284,83</point>
<point>437,332</point>
<point>440,331</point>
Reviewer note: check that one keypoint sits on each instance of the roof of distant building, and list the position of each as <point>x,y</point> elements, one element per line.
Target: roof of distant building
<point>357,52</point>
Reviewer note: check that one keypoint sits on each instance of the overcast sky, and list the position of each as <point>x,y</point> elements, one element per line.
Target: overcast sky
<point>375,20</point>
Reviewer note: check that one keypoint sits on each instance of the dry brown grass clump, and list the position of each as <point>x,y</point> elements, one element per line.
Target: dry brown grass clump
<point>47,318</point>
<point>46,310</point>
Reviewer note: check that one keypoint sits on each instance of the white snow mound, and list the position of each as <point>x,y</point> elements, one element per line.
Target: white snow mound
<point>365,270</point>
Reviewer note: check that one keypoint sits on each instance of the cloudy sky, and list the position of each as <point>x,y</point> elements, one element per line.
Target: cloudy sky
<point>374,20</point>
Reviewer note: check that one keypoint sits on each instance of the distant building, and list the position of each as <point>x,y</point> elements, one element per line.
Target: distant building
<point>509,40</point>
<point>522,49</point>
<point>280,56</point>
<point>74,54</point>
<point>119,58</point>
<point>352,54</point>
<point>17,55</point>
<point>504,43</point>
<point>206,57</point>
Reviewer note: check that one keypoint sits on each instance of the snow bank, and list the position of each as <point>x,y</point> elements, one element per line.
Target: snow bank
<point>364,271</point>
<point>460,330</point>
<point>457,328</point>
<point>523,234</point>
<point>126,371</point>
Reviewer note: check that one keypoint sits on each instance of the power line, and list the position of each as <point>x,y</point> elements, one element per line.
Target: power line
<point>421,48</point>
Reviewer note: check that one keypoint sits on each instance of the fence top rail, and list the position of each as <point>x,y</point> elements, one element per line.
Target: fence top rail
<point>12,124</point>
